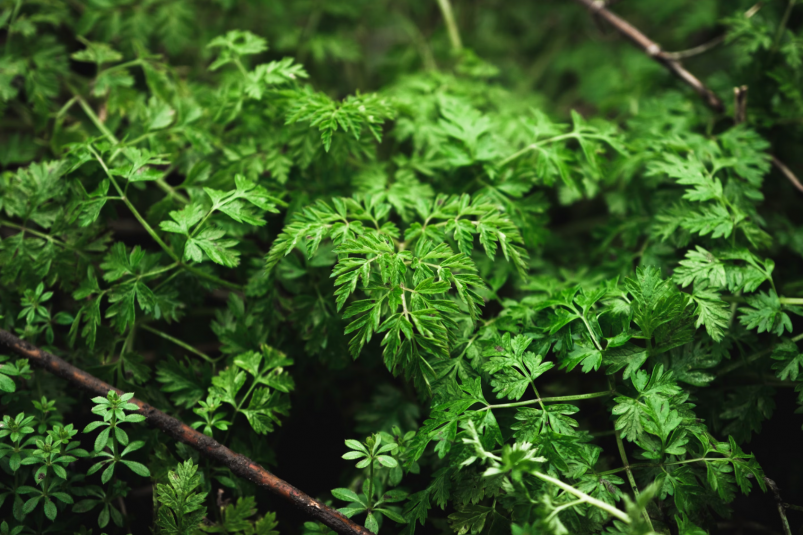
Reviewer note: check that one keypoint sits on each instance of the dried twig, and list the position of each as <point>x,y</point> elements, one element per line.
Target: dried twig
<point>713,43</point>
<point>787,173</point>
<point>652,49</point>
<point>779,504</point>
<point>697,50</point>
<point>238,464</point>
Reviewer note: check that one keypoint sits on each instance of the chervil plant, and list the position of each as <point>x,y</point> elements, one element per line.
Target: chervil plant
<point>538,279</point>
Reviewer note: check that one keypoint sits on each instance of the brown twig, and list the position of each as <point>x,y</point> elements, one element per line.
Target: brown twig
<point>787,173</point>
<point>652,49</point>
<point>598,8</point>
<point>713,43</point>
<point>697,50</point>
<point>238,464</point>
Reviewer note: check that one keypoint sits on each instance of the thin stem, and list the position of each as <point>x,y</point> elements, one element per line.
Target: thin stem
<point>593,336</point>
<point>474,338</point>
<point>752,358</point>
<point>660,465</point>
<point>564,506</point>
<point>787,529</point>
<point>697,50</point>
<point>132,63</point>
<point>133,210</point>
<point>631,479</point>
<point>578,397</point>
<point>782,25</point>
<point>784,169</point>
<point>620,445</point>
<point>533,146</point>
<point>195,271</point>
<point>159,271</point>
<point>371,484</point>
<point>423,47</point>
<point>178,342</point>
<point>404,304</point>
<point>164,186</point>
<point>791,300</point>
<point>64,109</point>
<point>11,22</point>
<point>613,511</point>
<point>451,25</point>
<point>538,396</point>
<point>44,236</point>
<point>201,223</point>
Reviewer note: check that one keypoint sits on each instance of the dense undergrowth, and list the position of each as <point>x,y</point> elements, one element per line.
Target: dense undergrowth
<point>546,289</point>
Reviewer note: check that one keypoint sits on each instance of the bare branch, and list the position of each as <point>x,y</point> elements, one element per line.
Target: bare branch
<point>713,43</point>
<point>697,50</point>
<point>238,464</point>
<point>652,49</point>
<point>787,173</point>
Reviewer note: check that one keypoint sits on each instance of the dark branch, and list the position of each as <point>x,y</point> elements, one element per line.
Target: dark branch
<point>787,173</point>
<point>238,464</point>
<point>779,504</point>
<point>652,49</point>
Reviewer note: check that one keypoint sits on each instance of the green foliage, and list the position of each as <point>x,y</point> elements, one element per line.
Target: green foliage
<point>182,507</point>
<point>551,292</point>
<point>383,469</point>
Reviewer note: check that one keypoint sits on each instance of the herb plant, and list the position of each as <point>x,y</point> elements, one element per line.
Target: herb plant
<point>544,286</point>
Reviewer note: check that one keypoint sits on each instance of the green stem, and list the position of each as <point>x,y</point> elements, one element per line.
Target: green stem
<point>159,271</point>
<point>201,223</point>
<point>593,336</point>
<point>791,300</point>
<point>782,25</point>
<point>250,389</point>
<point>132,63</point>
<point>661,465</point>
<point>44,236</point>
<point>404,304</point>
<point>620,445</point>
<point>613,511</point>
<point>560,508</point>
<point>451,25</point>
<point>474,338</point>
<point>111,437</point>
<point>11,22</point>
<point>630,478</point>
<point>537,145</point>
<point>237,409</point>
<point>371,484</point>
<point>195,271</point>
<point>549,399</point>
<point>178,342</point>
<point>133,210</point>
<point>164,186</point>
<point>538,396</point>
<point>752,358</point>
